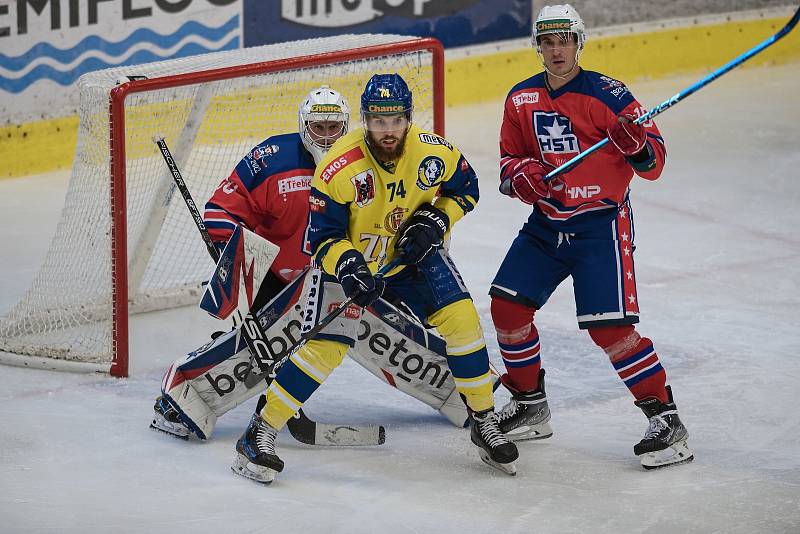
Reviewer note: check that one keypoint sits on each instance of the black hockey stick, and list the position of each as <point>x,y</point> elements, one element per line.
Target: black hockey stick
<point>301,427</point>
<point>311,334</point>
<point>505,187</point>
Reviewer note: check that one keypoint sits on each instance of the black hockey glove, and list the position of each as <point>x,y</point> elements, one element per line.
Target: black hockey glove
<point>421,234</point>
<point>357,280</point>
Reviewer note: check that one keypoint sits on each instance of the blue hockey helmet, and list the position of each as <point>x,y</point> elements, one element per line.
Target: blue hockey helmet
<point>386,94</point>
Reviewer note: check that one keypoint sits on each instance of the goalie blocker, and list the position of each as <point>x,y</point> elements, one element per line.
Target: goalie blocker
<point>209,381</point>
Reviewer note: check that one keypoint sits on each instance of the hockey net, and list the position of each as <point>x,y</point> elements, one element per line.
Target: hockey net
<point>125,242</point>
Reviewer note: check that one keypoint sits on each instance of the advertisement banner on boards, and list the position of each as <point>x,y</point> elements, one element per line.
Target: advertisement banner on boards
<point>45,45</point>
<point>453,22</point>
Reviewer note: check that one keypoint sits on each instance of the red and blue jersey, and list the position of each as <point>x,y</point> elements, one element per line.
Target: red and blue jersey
<point>267,193</point>
<point>553,126</point>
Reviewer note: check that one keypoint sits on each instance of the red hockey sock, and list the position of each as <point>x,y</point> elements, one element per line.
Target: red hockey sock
<point>519,343</point>
<point>634,359</point>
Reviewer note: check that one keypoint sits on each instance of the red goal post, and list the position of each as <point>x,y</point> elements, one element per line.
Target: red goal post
<point>77,311</point>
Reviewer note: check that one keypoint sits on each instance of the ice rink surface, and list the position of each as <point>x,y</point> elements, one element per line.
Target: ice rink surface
<point>718,270</point>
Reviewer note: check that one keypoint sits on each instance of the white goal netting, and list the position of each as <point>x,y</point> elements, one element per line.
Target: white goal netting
<point>67,314</point>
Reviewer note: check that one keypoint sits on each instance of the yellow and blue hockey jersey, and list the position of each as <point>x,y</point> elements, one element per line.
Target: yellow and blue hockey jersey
<point>357,203</point>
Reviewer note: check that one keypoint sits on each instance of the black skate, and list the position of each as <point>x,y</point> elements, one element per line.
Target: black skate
<point>255,452</point>
<point>664,442</point>
<point>168,420</point>
<point>494,449</point>
<point>527,415</point>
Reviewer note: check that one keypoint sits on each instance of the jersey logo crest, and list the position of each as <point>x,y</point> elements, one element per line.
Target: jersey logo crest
<point>554,133</point>
<point>429,173</point>
<point>394,219</point>
<point>364,182</point>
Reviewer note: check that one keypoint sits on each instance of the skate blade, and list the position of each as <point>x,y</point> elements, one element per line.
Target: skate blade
<point>509,468</point>
<point>677,453</point>
<point>527,432</point>
<point>180,432</point>
<point>263,475</point>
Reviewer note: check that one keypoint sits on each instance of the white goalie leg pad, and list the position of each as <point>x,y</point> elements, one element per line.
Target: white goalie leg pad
<point>209,382</point>
<point>397,349</point>
<point>323,294</point>
<point>194,411</point>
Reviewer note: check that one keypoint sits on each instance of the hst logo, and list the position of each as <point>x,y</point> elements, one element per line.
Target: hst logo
<point>586,191</point>
<point>554,133</point>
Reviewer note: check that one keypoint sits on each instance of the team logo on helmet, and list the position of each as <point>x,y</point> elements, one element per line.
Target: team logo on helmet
<point>364,183</point>
<point>326,108</point>
<point>394,219</point>
<point>430,171</point>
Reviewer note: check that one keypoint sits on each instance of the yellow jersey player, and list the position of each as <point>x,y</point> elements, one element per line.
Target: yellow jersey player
<point>387,190</point>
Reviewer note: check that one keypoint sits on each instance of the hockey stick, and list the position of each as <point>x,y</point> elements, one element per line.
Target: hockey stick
<point>505,187</point>
<point>301,427</point>
<point>311,334</point>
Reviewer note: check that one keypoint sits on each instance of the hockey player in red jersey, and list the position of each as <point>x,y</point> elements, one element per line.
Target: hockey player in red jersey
<point>581,226</point>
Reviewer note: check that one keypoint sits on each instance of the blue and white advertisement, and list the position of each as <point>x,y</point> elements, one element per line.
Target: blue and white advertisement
<point>45,45</point>
<point>453,22</point>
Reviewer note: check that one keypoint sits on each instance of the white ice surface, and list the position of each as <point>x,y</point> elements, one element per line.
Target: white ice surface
<point>718,267</point>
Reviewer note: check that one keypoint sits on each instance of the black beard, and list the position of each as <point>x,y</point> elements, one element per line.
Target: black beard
<point>385,154</point>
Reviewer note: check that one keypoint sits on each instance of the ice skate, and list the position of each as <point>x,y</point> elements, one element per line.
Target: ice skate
<point>255,452</point>
<point>664,442</point>
<point>168,420</point>
<point>527,415</point>
<point>494,449</point>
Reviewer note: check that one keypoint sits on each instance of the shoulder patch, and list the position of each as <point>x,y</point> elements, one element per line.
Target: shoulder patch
<point>430,172</point>
<point>341,162</point>
<point>431,139</point>
<point>261,152</point>
<point>615,87</point>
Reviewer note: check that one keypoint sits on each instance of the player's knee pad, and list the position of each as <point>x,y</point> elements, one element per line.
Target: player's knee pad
<point>618,341</point>
<point>512,320</point>
<point>459,325</point>
<point>319,357</point>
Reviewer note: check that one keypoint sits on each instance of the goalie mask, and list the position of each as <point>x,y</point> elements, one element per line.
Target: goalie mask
<point>563,21</point>
<point>323,118</point>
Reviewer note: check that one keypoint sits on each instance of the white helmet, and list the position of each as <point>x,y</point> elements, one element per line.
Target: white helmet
<point>558,19</point>
<point>322,104</point>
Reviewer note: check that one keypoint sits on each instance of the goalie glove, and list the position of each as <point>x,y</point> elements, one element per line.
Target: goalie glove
<point>357,280</point>
<point>421,234</point>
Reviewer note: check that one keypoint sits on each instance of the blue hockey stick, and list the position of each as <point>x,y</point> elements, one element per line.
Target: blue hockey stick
<point>505,187</point>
